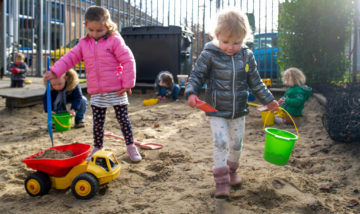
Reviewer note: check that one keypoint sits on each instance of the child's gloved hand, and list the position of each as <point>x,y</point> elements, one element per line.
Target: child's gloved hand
<point>273,106</point>
<point>49,75</point>
<point>192,100</point>
<point>14,70</point>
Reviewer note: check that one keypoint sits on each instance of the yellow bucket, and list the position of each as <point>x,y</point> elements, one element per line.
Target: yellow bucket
<point>268,117</point>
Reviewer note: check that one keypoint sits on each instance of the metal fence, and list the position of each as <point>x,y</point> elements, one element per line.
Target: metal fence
<point>41,28</point>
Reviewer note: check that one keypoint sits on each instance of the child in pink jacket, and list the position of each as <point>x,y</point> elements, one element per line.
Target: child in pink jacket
<point>110,73</point>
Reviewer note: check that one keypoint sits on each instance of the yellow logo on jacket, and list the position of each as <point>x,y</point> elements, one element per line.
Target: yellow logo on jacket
<point>246,67</point>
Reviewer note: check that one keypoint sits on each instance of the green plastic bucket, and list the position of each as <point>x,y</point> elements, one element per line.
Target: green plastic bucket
<point>278,145</point>
<point>62,121</point>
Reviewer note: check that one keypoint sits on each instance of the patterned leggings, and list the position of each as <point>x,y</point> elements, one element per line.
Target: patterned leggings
<point>122,117</point>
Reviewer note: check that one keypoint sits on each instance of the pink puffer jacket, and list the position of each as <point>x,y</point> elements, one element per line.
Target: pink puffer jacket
<point>109,63</point>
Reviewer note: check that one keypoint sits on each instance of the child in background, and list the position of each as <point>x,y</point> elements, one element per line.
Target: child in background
<point>110,73</point>
<point>66,90</point>
<point>18,71</point>
<point>294,98</point>
<point>165,86</point>
<point>228,67</point>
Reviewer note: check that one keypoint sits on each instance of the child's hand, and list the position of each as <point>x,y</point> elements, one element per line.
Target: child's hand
<point>124,90</point>
<point>162,99</point>
<point>49,75</point>
<point>192,100</point>
<point>281,100</point>
<point>72,112</point>
<point>273,106</point>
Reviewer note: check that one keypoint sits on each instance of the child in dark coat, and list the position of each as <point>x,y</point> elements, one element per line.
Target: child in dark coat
<point>165,86</point>
<point>66,90</point>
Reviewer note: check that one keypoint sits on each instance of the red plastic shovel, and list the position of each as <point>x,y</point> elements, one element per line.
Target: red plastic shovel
<point>204,106</point>
<point>142,145</point>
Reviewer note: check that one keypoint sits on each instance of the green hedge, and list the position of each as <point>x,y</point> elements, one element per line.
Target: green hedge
<point>313,35</point>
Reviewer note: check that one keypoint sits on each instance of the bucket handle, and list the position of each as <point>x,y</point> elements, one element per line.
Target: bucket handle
<point>62,125</point>
<point>297,132</point>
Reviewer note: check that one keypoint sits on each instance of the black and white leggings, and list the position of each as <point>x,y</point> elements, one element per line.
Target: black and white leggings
<point>99,114</point>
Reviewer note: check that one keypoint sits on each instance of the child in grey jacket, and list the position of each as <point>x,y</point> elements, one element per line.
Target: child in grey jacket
<point>228,68</point>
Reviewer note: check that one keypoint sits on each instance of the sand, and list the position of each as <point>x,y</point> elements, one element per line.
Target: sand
<point>322,176</point>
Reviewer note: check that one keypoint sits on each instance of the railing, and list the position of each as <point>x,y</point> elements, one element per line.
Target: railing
<point>61,24</point>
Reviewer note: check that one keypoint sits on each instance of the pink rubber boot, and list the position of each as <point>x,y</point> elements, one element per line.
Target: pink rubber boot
<point>222,179</point>
<point>234,177</point>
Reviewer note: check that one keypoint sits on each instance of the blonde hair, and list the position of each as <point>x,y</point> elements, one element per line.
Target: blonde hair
<point>100,14</point>
<point>232,24</point>
<point>294,76</point>
<point>71,79</point>
<point>20,56</point>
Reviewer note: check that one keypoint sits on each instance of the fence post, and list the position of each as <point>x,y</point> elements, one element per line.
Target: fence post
<point>40,38</point>
<point>3,39</point>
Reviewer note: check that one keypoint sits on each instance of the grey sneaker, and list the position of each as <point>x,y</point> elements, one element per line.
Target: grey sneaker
<point>133,153</point>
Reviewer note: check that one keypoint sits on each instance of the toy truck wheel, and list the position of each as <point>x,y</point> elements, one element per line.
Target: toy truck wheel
<point>37,184</point>
<point>84,186</point>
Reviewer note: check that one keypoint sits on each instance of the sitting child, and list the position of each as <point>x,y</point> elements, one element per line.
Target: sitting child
<point>294,98</point>
<point>165,86</point>
<point>18,70</point>
<point>66,90</point>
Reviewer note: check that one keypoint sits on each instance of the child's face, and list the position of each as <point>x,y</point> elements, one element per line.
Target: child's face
<point>18,61</point>
<point>96,29</point>
<point>228,45</point>
<point>58,84</point>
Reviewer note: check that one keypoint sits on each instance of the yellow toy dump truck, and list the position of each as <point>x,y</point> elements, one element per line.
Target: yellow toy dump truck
<point>83,177</point>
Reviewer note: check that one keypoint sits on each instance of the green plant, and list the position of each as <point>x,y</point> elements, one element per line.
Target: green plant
<point>313,36</point>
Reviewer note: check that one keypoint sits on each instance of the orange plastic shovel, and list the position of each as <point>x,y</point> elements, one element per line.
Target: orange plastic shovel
<point>142,145</point>
<point>204,106</point>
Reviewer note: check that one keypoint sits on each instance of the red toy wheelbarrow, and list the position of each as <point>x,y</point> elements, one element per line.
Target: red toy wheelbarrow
<point>142,145</point>
<point>58,167</point>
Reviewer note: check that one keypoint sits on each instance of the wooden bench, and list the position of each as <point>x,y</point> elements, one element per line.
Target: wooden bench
<point>24,97</point>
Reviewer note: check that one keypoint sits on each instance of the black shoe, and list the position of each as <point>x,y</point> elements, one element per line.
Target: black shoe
<point>79,123</point>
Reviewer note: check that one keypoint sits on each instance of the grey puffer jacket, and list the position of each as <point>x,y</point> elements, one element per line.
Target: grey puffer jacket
<point>228,79</point>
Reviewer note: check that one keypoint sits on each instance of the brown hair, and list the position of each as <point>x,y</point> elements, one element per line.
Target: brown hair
<point>100,14</point>
<point>294,76</point>
<point>167,79</point>
<point>232,24</point>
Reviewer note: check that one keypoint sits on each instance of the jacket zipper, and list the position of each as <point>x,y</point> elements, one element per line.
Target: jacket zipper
<point>233,87</point>
<point>97,68</point>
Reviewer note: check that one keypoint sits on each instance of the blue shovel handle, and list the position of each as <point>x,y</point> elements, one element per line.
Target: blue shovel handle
<point>48,103</point>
